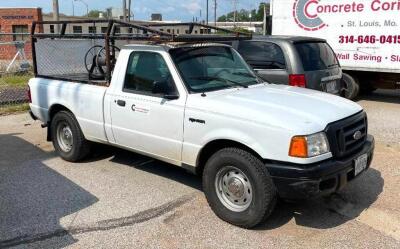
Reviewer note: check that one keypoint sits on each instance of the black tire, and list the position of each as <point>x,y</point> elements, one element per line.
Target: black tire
<point>79,148</point>
<point>351,86</point>
<point>264,194</point>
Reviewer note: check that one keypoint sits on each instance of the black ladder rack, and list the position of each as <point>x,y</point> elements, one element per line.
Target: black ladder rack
<point>149,33</point>
<point>142,32</point>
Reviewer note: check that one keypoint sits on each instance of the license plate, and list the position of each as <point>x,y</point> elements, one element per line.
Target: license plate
<point>331,87</point>
<point>360,164</point>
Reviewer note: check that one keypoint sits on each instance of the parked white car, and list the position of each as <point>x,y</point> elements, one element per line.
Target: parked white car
<point>202,108</point>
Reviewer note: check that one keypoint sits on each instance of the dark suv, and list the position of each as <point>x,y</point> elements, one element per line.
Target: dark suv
<point>292,60</point>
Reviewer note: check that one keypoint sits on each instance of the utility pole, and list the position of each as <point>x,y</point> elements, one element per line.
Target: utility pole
<point>265,20</point>
<point>124,10</point>
<point>215,13</point>
<point>129,10</point>
<point>234,12</point>
<point>207,14</point>
<point>56,15</point>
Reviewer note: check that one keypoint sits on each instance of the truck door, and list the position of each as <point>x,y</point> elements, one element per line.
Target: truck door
<point>266,59</point>
<point>142,118</point>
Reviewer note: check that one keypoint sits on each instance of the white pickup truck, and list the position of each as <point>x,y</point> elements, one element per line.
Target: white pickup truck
<point>201,107</point>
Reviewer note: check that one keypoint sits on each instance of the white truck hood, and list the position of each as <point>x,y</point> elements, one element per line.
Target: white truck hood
<point>299,110</point>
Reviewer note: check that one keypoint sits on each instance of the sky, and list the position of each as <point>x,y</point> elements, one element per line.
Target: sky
<point>183,10</point>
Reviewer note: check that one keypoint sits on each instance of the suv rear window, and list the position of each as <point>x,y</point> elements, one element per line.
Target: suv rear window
<point>316,56</point>
<point>262,55</point>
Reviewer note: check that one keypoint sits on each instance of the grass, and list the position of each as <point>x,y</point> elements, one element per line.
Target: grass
<point>14,108</point>
<point>15,80</point>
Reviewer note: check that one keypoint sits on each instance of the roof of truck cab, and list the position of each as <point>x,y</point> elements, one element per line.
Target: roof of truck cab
<point>287,38</point>
<point>172,45</point>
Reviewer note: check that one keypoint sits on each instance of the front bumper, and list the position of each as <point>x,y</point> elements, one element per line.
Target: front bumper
<point>296,181</point>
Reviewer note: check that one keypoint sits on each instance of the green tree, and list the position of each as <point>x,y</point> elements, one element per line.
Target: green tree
<point>96,13</point>
<point>260,12</point>
<point>244,15</point>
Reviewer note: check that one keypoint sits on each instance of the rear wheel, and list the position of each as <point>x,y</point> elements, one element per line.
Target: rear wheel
<point>351,86</point>
<point>238,187</point>
<point>68,139</point>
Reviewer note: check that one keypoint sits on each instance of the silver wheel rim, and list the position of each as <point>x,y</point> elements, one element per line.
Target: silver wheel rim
<point>64,137</point>
<point>233,189</point>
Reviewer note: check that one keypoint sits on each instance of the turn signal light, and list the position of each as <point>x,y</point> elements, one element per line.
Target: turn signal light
<point>297,80</point>
<point>298,147</point>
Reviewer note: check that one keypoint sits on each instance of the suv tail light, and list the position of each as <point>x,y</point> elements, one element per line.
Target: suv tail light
<point>28,93</point>
<point>297,80</point>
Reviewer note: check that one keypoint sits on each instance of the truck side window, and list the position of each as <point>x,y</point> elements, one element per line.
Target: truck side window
<point>144,69</point>
<point>262,55</point>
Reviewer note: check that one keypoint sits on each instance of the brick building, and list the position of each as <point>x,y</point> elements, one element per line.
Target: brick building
<point>16,20</point>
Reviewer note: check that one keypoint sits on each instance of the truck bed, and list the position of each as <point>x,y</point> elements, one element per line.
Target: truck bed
<point>84,100</point>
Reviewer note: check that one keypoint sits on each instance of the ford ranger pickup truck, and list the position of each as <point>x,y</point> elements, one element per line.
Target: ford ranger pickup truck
<point>201,107</point>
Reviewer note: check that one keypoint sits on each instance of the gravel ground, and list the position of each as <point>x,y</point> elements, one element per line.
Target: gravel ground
<point>123,200</point>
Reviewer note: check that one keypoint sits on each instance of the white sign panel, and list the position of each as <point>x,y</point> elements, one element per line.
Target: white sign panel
<point>365,34</point>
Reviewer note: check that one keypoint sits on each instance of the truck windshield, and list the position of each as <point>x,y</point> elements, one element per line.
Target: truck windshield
<point>212,68</point>
<point>316,56</point>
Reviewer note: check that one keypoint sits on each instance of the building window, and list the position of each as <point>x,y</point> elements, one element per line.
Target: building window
<point>161,30</point>
<point>92,30</point>
<point>195,31</point>
<point>52,29</point>
<point>168,30</point>
<point>77,29</point>
<point>22,32</point>
<point>187,31</point>
<point>104,29</point>
<point>177,31</point>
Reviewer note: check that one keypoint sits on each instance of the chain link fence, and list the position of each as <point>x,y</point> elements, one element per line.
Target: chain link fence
<point>15,71</point>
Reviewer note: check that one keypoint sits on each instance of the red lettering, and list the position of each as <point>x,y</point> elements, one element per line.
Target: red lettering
<point>360,7</point>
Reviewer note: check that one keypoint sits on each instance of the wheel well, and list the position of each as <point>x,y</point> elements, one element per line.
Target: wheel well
<point>209,149</point>
<point>54,109</point>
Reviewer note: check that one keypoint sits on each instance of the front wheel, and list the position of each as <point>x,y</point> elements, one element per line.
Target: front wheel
<point>68,139</point>
<point>238,187</point>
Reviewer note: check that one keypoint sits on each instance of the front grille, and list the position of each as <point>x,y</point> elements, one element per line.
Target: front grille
<point>341,135</point>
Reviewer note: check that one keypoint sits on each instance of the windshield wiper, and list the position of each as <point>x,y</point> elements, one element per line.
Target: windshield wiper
<point>256,77</point>
<point>220,79</point>
<point>244,74</point>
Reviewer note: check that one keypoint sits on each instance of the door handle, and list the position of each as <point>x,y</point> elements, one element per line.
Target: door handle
<point>121,102</point>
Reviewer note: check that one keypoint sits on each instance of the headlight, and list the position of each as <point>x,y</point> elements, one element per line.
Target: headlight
<point>309,146</point>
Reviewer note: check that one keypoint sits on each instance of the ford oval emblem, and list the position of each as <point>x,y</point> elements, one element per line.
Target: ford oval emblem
<point>357,135</point>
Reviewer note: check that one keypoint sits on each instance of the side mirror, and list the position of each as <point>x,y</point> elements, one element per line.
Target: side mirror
<point>162,88</point>
<point>172,96</point>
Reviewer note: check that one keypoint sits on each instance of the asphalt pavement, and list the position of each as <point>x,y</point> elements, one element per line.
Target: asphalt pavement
<point>118,199</point>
